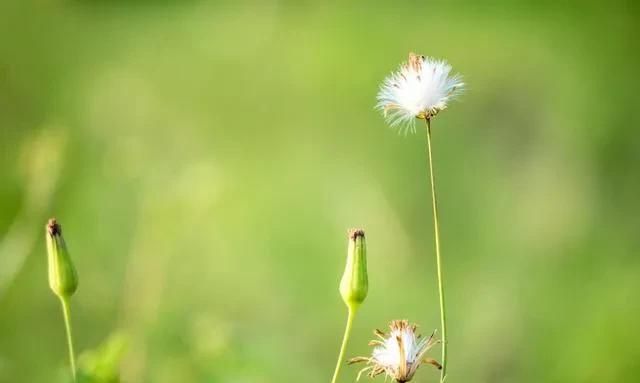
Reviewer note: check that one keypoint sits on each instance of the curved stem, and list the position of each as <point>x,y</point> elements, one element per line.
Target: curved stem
<point>345,339</point>
<point>67,323</point>
<point>436,229</point>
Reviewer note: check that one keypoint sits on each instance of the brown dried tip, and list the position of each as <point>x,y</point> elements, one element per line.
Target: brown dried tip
<point>355,233</point>
<point>415,61</point>
<point>53,227</point>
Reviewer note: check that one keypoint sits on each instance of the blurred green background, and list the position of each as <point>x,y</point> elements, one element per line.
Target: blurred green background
<point>206,160</point>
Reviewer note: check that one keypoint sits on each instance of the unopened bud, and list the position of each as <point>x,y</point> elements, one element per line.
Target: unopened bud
<point>63,278</point>
<point>355,283</point>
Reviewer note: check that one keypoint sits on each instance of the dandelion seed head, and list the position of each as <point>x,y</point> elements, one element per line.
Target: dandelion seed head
<point>399,353</point>
<point>419,89</point>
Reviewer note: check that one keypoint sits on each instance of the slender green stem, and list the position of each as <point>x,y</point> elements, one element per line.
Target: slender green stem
<point>345,339</point>
<point>436,229</point>
<point>67,323</point>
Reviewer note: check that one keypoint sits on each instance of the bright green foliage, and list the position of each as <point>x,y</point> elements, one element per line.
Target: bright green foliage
<point>101,365</point>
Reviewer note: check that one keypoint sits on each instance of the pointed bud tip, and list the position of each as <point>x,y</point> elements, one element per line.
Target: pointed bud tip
<point>355,233</point>
<point>53,227</point>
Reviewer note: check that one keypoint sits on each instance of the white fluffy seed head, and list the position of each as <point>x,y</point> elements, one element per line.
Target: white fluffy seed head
<point>399,353</point>
<point>389,353</point>
<point>419,89</point>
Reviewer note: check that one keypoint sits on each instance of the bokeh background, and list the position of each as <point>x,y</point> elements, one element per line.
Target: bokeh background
<point>207,158</point>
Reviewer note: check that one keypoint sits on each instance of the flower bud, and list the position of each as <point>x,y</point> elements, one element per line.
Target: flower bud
<point>355,283</point>
<point>63,278</point>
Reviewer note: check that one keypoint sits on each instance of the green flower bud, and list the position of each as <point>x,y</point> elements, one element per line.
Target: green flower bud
<point>355,283</point>
<point>63,278</point>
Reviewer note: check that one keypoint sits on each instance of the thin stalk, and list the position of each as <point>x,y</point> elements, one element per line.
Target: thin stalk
<point>345,339</point>
<point>436,229</point>
<point>67,323</point>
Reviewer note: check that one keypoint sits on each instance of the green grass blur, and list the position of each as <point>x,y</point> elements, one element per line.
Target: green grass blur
<point>206,160</point>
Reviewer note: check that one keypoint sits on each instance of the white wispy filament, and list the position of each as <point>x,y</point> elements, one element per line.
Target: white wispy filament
<point>420,89</point>
<point>398,354</point>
